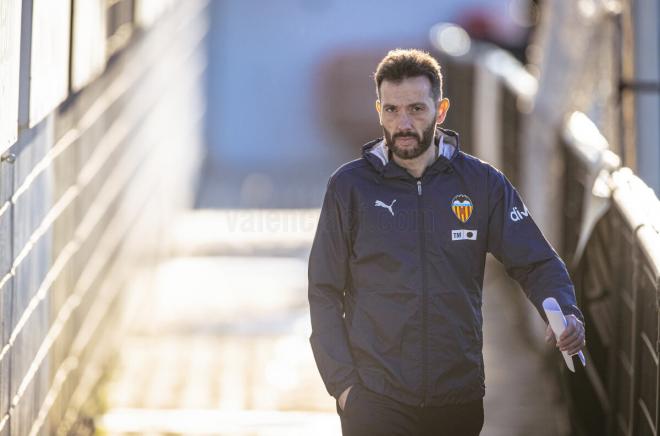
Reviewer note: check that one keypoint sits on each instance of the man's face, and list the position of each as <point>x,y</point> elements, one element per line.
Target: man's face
<point>408,114</point>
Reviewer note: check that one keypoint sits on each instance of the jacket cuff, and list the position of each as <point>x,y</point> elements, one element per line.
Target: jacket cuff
<point>565,297</point>
<point>573,310</point>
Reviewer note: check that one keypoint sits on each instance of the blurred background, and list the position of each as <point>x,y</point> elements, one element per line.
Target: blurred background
<point>163,162</point>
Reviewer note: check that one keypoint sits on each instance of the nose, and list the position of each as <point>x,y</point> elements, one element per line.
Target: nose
<point>404,122</point>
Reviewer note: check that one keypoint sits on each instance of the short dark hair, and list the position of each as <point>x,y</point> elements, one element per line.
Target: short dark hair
<point>400,64</point>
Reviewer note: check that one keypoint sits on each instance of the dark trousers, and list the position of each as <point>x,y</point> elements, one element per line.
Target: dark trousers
<point>367,413</point>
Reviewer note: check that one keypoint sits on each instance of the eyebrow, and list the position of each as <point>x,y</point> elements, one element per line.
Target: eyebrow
<point>411,104</point>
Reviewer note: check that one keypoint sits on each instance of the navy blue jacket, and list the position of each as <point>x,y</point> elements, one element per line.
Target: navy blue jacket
<point>396,273</point>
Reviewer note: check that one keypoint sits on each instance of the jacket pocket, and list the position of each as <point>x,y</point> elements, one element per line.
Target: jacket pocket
<point>384,328</point>
<point>454,315</point>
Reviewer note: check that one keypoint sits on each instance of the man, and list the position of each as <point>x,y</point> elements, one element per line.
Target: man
<point>397,266</point>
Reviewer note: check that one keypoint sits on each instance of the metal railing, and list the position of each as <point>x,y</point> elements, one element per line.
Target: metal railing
<point>85,196</point>
<point>612,236</point>
<point>610,242</point>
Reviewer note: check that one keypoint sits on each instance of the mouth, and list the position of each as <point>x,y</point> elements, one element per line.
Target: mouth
<point>406,140</point>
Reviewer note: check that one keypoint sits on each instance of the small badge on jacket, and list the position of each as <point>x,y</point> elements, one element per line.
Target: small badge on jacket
<point>463,234</point>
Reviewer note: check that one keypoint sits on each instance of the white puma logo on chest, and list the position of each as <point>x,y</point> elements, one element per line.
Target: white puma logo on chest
<point>388,207</point>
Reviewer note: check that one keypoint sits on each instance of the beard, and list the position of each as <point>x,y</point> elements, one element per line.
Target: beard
<point>423,143</point>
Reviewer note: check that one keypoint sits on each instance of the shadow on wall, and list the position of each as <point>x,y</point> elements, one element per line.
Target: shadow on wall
<point>347,90</point>
<point>291,94</point>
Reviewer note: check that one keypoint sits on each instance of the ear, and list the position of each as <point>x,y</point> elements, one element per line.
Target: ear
<point>443,108</point>
<point>378,109</point>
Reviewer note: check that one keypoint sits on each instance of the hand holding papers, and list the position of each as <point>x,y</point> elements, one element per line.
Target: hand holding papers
<point>558,324</point>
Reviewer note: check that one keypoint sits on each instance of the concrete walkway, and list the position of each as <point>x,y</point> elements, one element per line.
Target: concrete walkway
<point>221,346</point>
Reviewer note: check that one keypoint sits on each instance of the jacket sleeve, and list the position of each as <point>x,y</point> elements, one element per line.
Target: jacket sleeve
<point>328,276</point>
<point>516,241</point>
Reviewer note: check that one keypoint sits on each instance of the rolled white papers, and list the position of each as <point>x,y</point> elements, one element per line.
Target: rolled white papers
<point>558,324</point>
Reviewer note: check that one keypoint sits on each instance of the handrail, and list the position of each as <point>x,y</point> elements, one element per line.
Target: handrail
<point>592,149</point>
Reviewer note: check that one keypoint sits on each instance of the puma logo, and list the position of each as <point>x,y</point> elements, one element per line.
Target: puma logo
<point>388,207</point>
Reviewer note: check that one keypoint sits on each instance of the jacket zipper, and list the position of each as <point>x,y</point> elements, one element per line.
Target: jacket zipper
<point>424,290</point>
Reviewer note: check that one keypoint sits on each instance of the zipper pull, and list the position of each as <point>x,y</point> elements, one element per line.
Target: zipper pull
<point>419,187</point>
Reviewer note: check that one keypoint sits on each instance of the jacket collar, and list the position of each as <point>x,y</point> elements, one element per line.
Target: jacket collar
<point>377,153</point>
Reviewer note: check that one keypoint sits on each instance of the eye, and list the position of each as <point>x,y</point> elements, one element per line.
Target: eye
<point>390,109</point>
<point>418,108</point>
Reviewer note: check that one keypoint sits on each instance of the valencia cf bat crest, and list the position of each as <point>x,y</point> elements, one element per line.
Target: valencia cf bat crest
<point>462,207</point>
